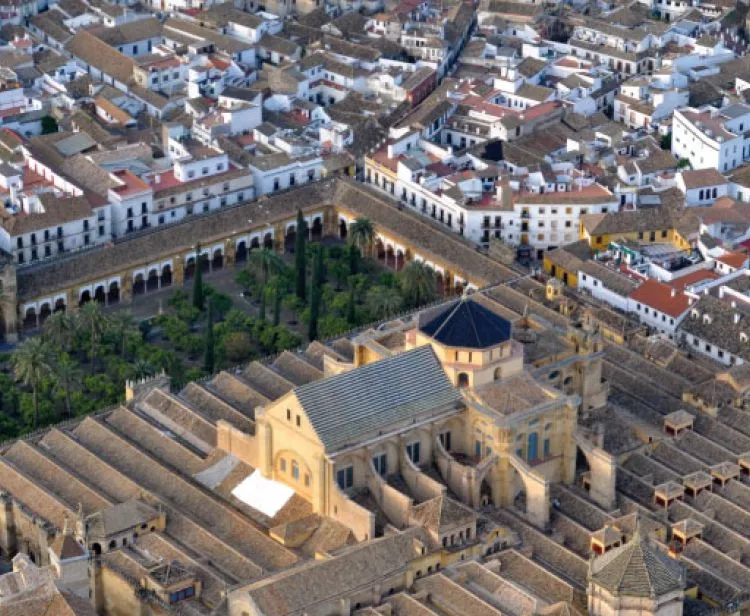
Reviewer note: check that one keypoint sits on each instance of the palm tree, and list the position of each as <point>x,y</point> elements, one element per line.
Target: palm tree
<point>384,302</point>
<point>122,324</point>
<point>59,330</point>
<point>266,262</point>
<point>362,233</point>
<point>142,369</point>
<point>66,375</point>
<point>31,364</point>
<point>418,283</point>
<point>93,321</point>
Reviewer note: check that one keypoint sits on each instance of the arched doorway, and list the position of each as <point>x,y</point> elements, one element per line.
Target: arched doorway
<point>390,257</point>
<point>205,263</point>
<point>463,379</point>
<point>166,276</point>
<point>290,237</point>
<point>217,262</point>
<point>399,260</point>
<point>139,285</point>
<point>44,313</point>
<point>29,319</point>
<point>100,295</point>
<point>316,232</point>
<point>254,243</point>
<point>85,298</point>
<point>152,283</point>
<point>96,548</point>
<point>113,296</point>
<point>189,268</point>
<point>60,305</point>
<point>240,254</point>
<point>380,250</point>
<point>268,241</point>
<point>343,229</point>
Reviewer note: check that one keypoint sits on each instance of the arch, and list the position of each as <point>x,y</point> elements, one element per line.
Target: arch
<point>152,282</point>
<point>290,237</point>
<point>400,260</point>
<point>459,286</point>
<point>240,252</point>
<point>44,312</point>
<point>139,284</point>
<point>166,275</point>
<point>113,295</point>
<point>112,544</point>
<point>189,268</point>
<point>380,249</point>
<point>96,548</point>
<point>255,243</point>
<point>598,471</point>
<point>343,229</point>
<point>205,263</point>
<point>268,241</point>
<point>463,379</point>
<point>217,260</point>
<point>390,256</point>
<point>498,374</point>
<point>85,297</point>
<point>533,495</point>
<point>100,294</point>
<point>440,283</point>
<point>316,231</point>
<point>60,304</point>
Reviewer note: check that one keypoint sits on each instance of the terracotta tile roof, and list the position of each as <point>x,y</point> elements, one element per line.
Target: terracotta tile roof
<point>661,297</point>
<point>735,260</point>
<point>702,177</point>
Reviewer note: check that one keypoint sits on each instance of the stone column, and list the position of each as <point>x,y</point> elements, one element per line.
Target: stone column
<point>178,271</point>
<point>71,302</point>
<point>126,287</point>
<point>230,247</point>
<point>278,238</point>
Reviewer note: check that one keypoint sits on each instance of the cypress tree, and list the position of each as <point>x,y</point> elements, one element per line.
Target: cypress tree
<point>262,314</point>
<point>277,303</point>
<point>350,313</point>
<point>300,256</point>
<point>208,356</point>
<point>198,280</point>
<point>315,294</point>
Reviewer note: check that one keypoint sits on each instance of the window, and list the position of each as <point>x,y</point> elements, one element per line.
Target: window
<point>282,465</point>
<point>295,470</point>
<point>204,171</point>
<point>413,451</point>
<point>299,421</point>
<point>546,448</point>
<point>445,440</point>
<point>288,415</point>
<point>226,186</point>
<point>101,230</point>
<point>380,462</point>
<point>191,174</point>
<point>345,477</point>
<point>19,242</point>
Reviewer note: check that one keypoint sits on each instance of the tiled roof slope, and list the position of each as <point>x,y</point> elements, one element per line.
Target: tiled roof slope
<point>345,408</point>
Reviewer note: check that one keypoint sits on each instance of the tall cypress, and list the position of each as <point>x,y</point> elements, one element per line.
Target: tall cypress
<point>208,356</point>
<point>277,303</point>
<point>262,314</point>
<point>198,280</point>
<point>351,315</point>
<point>315,294</point>
<point>300,256</point>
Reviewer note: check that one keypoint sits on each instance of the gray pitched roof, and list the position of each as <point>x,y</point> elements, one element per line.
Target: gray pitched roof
<point>637,569</point>
<point>346,408</point>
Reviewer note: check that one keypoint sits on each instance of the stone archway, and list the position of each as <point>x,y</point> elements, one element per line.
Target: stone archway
<point>254,244</point>
<point>30,319</point>
<point>268,241</point>
<point>113,295</point>
<point>390,256</point>
<point>189,268</point>
<point>85,298</point>
<point>59,305</point>
<point>380,250</point>
<point>290,237</point>
<point>240,253</point>
<point>166,276</point>
<point>205,263</point>
<point>343,229</point>
<point>536,491</point>
<point>139,285</point>
<point>44,312</point>
<point>217,260</point>
<point>100,295</point>
<point>152,282</point>
<point>316,230</point>
<point>400,260</point>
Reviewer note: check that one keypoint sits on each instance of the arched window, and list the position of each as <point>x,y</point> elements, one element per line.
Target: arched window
<point>295,470</point>
<point>532,447</point>
<point>498,374</point>
<point>463,379</point>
